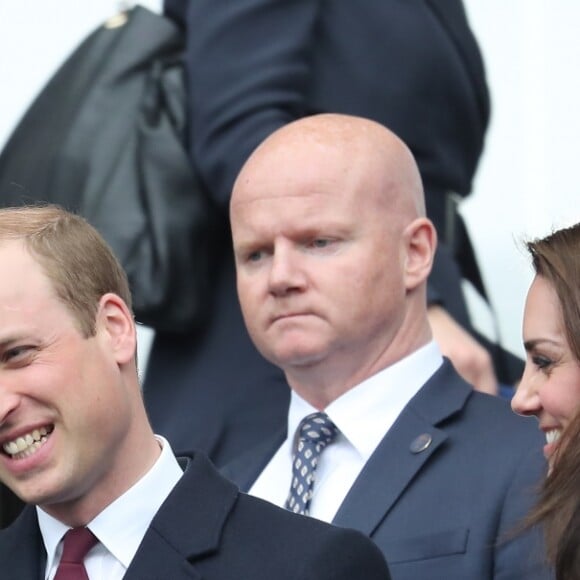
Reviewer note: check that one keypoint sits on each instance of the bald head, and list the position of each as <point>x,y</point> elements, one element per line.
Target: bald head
<point>352,147</point>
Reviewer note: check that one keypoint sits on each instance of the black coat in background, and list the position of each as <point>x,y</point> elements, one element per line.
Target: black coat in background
<point>255,65</point>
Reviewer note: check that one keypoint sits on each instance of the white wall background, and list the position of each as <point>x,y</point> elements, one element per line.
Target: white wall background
<point>526,182</point>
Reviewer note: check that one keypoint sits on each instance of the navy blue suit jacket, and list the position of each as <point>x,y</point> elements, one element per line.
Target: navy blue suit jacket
<point>255,65</point>
<point>207,530</point>
<point>450,511</point>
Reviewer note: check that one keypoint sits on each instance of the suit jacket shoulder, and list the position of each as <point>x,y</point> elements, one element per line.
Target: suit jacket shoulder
<point>208,529</point>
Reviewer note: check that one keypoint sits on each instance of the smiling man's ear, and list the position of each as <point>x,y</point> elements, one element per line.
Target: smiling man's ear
<point>421,241</point>
<point>116,320</point>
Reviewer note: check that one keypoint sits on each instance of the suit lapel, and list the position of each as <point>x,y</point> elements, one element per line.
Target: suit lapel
<point>404,451</point>
<point>245,470</point>
<point>386,475</point>
<point>188,526</point>
<point>398,459</point>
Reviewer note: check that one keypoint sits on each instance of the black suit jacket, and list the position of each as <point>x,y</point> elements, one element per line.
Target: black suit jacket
<point>255,65</point>
<point>443,494</point>
<point>207,530</point>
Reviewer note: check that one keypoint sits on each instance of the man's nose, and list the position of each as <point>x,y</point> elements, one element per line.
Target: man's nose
<point>286,273</point>
<point>526,400</point>
<point>9,402</point>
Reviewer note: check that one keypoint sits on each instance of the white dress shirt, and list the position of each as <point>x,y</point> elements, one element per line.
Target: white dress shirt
<point>363,415</point>
<point>121,526</point>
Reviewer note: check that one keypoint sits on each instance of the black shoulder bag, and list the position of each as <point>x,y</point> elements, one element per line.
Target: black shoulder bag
<point>105,138</point>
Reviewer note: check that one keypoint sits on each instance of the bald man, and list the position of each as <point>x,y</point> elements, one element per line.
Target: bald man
<point>333,251</point>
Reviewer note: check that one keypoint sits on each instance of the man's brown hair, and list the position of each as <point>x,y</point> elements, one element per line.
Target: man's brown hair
<point>73,255</point>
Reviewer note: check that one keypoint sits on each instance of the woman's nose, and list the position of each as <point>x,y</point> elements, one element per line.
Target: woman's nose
<point>525,400</point>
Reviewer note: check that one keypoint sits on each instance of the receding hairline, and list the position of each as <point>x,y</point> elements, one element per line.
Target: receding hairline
<point>66,245</point>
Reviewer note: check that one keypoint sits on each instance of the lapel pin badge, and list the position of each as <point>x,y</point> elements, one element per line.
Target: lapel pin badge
<point>421,443</point>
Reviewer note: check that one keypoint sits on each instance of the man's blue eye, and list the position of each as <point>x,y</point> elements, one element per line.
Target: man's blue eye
<point>15,353</point>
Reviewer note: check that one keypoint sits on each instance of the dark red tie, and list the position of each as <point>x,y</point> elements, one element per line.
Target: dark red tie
<point>77,543</point>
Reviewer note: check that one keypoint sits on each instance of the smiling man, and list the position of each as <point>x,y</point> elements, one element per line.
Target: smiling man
<point>333,251</point>
<point>78,447</point>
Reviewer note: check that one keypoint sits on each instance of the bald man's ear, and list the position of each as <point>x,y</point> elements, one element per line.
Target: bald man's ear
<point>420,243</point>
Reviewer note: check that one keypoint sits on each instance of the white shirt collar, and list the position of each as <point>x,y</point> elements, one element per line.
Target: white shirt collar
<point>366,412</point>
<point>121,526</point>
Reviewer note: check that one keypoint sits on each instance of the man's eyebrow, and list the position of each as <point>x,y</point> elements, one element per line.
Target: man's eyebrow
<point>12,336</point>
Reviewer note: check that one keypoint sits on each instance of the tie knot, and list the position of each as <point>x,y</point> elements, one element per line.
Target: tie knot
<point>318,429</point>
<point>77,543</point>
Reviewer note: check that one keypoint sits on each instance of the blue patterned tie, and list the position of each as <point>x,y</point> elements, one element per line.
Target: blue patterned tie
<point>314,433</point>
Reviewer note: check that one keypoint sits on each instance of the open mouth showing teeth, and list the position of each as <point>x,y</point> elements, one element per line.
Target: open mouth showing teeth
<point>28,444</point>
<point>553,435</point>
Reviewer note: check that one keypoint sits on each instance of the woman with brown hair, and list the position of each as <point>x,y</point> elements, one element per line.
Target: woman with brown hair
<point>559,506</point>
<point>550,389</point>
